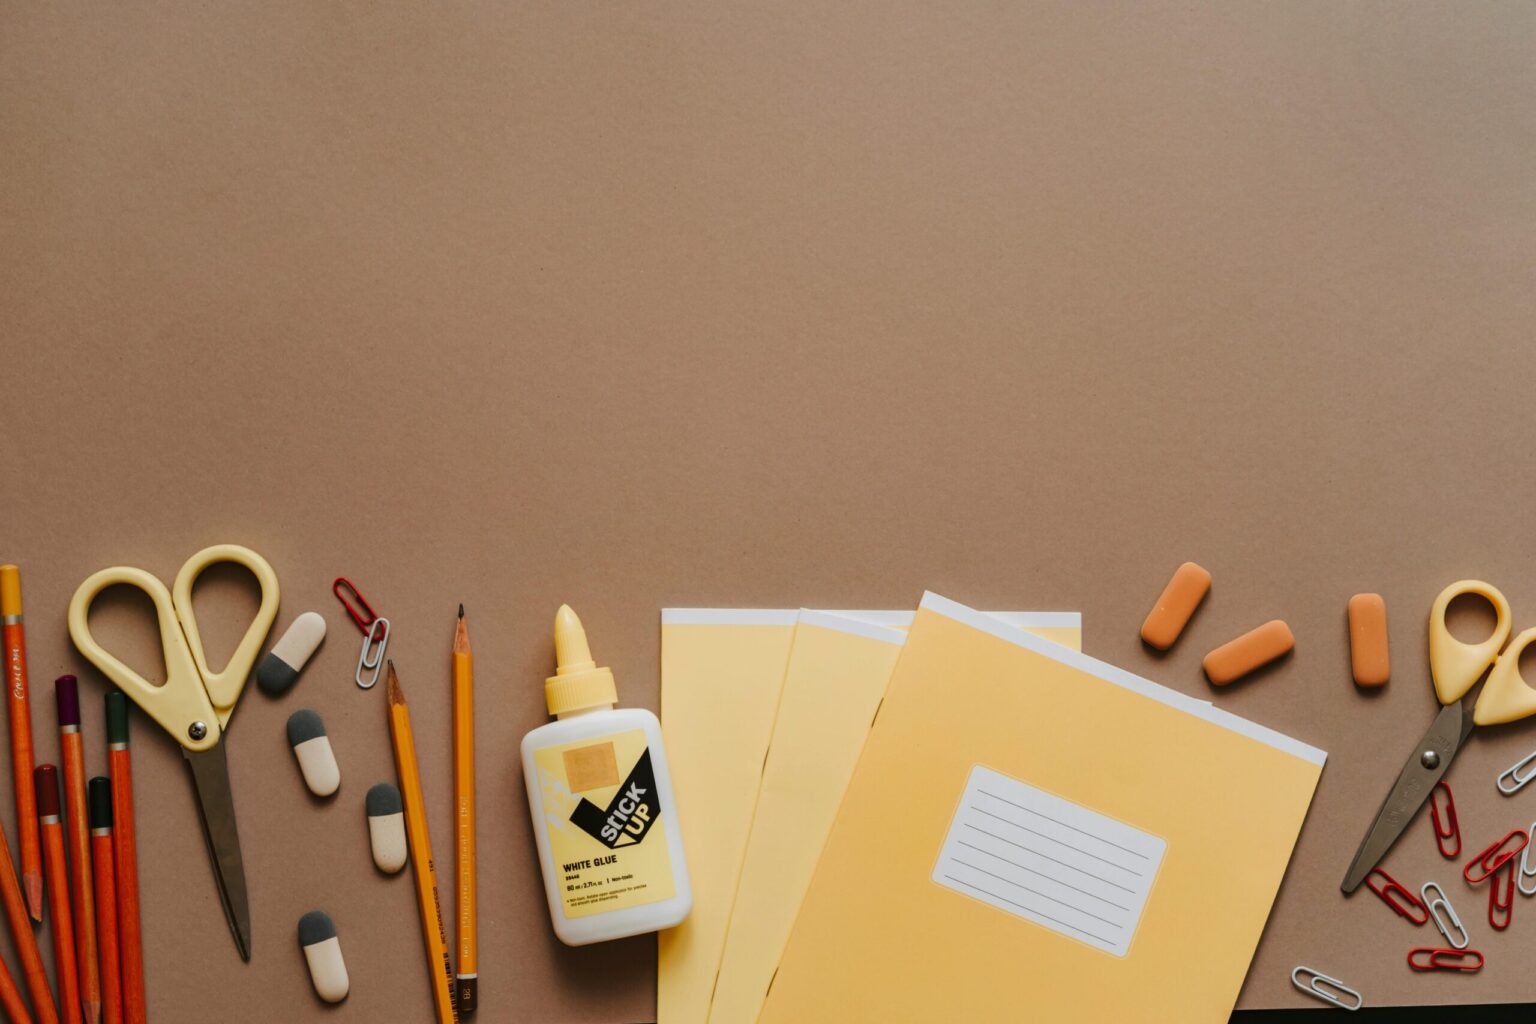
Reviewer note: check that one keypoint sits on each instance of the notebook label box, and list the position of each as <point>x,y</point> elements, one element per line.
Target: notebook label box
<point>1058,864</point>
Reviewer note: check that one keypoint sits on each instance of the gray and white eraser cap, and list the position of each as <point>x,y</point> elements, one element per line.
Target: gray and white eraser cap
<point>279,669</point>
<point>317,761</point>
<point>316,926</point>
<point>386,828</point>
<point>322,952</point>
<point>304,724</point>
<point>384,798</point>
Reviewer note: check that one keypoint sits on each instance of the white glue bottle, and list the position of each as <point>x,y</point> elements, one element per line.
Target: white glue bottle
<point>601,798</point>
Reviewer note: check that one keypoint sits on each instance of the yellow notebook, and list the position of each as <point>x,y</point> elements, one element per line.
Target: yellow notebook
<point>721,669</point>
<point>1033,834</point>
<point>721,674</point>
<point>837,672</point>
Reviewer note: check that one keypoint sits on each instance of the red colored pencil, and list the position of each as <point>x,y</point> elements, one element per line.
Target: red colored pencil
<point>14,634</point>
<point>65,967</point>
<point>72,753</point>
<point>125,848</point>
<point>106,898</point>
<point>36,975</point>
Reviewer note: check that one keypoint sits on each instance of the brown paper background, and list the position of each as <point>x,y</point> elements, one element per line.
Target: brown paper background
<point>632,305</point>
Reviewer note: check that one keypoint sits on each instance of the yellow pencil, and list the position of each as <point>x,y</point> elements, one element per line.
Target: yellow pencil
<point>464,813</point>
<point>421,853</point>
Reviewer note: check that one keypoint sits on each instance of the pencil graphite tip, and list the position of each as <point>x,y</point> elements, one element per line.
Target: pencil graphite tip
<point>461,634</point>
<point>34,886</point>
<point>461,609</point>
<point>395,695</point>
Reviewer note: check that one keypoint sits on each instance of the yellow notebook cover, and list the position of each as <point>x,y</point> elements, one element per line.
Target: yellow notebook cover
<point>721,674</point>
<point>837,672</point>
<point>1033,834</point>
<point>721,670</point>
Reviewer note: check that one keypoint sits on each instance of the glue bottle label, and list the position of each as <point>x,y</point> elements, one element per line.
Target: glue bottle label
<point>601,812</point>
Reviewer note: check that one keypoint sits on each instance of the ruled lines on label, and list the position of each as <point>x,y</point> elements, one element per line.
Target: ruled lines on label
<point>1048,860</point>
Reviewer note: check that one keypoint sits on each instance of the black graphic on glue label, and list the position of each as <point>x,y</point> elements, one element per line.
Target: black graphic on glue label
<point>629,815</point>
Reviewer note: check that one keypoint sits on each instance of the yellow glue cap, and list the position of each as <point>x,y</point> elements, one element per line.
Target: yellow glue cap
<point>578,682</point>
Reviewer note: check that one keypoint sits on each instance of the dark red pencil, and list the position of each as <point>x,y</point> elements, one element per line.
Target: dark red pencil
<point>56,873</point>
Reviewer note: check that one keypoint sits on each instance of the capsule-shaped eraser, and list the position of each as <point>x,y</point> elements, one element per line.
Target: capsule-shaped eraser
<point>1368,656</point>
<point>322,951</point>
<point>386,827</point>
<point>280,669</point>
<point>317,762</point>
<point>1175,605</point>
<point>1254,649</point>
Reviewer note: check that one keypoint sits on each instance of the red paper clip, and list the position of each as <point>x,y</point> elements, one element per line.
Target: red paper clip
<point>1501,909</point>
<point>1395,895</point>
<point>1426,959</point>
<point>365,618</point>
<point>1495,857</point>
<point>1444,831</point>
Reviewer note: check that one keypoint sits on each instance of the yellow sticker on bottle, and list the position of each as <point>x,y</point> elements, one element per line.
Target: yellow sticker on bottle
<point>601,814</point>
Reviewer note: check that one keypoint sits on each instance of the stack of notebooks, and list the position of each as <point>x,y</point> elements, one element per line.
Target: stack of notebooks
<point>955,815</point>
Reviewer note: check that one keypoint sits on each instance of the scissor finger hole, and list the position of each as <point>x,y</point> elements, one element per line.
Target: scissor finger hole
<point>117,620</point>
<point>1527,663</point>
<point>236,594</point>
<point>1471,618</point>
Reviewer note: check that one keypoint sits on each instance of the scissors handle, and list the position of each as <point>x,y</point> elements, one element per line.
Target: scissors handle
<point>224,687</point>
<point>193,704</point>
<point>1456,666</point>
<point>181,702</point>
<point>1506,696</point>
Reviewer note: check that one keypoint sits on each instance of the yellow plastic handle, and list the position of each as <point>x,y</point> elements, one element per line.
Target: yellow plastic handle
<point>1455,666</point>
<point>1506,696</point>
<point>224,687</point>
<point>181,705</point>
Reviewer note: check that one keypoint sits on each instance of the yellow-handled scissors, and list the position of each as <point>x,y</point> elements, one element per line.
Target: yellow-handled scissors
<point>194,703</point>
<point>1455,667</point>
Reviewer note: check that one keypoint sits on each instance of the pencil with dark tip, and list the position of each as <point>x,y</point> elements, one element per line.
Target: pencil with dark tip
<point>20,708</point>
<point>66,692</point>
<point>106,898</point>
<point>468,978</point>
<point>61,923</point>
<point>126,863</point>
<point>35,974</point>
<point>439,966</point>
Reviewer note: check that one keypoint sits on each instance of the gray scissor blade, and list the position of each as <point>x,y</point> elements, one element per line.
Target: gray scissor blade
<point>1413,786</point>
<point>210,773</point>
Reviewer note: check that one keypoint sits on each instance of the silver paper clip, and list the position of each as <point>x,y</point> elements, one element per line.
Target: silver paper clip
<point>1437,903</point>
<point>1329,990</point>
<point>1527,870</point>
<point>1517,781</point>
<point>371,657</point>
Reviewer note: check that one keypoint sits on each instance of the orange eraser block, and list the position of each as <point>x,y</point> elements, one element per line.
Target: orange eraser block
<point>1236,658</point>
<point>1368,657</point>
<point>1175,605</point>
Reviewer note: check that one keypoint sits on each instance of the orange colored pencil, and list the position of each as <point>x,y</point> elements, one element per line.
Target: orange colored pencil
<point>65,968</point>
<point>35,974</point>
<point>10,996</point>
<point>10,999</point>
<point>126,860</point>
<point>15,642</point>
<point>66,693</point>
<point>468,979</point>
<point>409,770</point>
<point>106,898</point>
